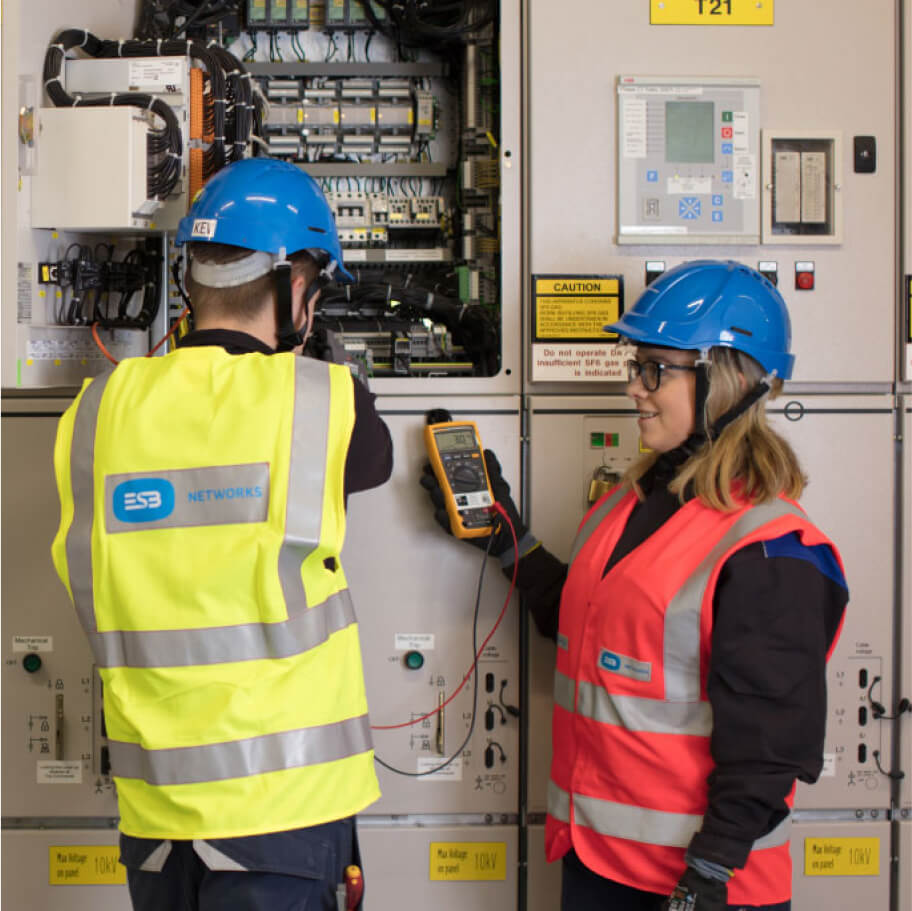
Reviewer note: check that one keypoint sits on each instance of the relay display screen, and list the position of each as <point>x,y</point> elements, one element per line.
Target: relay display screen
<point>455,440</point>
<point>689,131</point>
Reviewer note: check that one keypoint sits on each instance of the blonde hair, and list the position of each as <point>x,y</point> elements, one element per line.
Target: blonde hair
<point>244,302</point>
<point>748,460</point>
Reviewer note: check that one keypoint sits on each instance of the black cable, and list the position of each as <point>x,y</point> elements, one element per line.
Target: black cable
<point>895,776</point>
<point>512,709</point>
<point>468,737</point>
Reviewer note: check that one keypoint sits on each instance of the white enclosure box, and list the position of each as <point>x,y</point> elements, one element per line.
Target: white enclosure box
<point>91,169</point>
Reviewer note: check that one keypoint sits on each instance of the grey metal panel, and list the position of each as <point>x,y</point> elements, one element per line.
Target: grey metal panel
<point>544,882</point>
<point>804,85</point>
<point>846,447</point>
<point>25,864</point>
<point>396,869</point>
<point>407,576</point>
<point>810,893</point>
<point>35,603</point>
<point>905,864</point>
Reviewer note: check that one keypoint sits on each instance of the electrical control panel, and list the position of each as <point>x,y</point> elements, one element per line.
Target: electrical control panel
<point>688,160</point>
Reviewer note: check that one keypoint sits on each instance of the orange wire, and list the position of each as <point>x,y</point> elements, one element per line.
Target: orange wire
<point>469,672</point>
<point>171,332</point>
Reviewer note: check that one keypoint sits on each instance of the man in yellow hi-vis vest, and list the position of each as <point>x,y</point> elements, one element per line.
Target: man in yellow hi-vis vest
<point>202,516</point>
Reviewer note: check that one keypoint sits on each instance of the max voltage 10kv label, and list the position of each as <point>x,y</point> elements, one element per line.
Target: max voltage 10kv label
<point>842,857</point>
<point>85,865</point>
<point>468,860</point>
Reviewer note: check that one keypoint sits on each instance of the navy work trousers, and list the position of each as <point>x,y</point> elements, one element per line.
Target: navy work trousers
<point>298,870</point>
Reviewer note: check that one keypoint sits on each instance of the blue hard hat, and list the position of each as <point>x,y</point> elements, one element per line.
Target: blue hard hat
<point>264,204</point>
<point>708,303</point>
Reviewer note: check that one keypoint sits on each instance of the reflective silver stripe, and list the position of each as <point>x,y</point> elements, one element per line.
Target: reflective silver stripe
<point>558,802</point>
<point>82,485</point>
<point>593,522</point>
<point>307,629</point>
<point>563,642</point>
<point>240,758</point>
<point>155,862</point>
<point>653,827</point>
<point>638,714</point>
<point>306,475</point>
<point>681,658</point>
<point>564,691</point>
<point>779,836</point>
<point>217,495</point>
<point>215,859</point>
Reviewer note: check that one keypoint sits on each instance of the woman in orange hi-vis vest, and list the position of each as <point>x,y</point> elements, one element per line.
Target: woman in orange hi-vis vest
<point>693,623</point>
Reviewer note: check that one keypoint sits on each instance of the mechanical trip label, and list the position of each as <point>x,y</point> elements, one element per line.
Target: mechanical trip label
<point>569,315</point>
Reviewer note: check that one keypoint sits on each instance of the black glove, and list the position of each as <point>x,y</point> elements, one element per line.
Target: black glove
<point>695,892</point>
<point>502,538</point>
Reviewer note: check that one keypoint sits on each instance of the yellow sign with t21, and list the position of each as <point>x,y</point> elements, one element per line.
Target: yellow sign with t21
<point>711,12</point>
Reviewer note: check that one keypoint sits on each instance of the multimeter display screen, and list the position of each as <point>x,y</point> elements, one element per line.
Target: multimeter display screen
<point>455,440</point>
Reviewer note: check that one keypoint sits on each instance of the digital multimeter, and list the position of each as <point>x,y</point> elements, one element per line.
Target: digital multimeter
<point>457,458</point>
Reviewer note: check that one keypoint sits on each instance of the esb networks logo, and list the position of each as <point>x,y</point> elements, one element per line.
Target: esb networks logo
<point>143,500</point>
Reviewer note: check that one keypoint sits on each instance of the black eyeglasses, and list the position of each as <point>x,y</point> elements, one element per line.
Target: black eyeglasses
<point>650,372</point>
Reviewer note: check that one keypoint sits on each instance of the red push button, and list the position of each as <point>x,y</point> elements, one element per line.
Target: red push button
<point>804,276</point>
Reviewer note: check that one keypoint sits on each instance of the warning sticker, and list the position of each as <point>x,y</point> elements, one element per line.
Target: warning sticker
<point>85,865</point>
<point>575,307</point>
<point>842,856</point>
<point>468,860</point>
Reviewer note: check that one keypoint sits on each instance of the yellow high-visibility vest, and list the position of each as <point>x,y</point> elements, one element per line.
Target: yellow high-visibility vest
<point>202,517</point>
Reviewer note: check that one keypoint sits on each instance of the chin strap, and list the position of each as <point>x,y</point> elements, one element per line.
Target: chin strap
<point>701,434</point>
<point>289,336</point>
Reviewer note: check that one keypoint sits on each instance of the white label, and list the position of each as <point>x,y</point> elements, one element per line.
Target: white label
<point>59,771</point>
<point>24,278</point>
<point>744,178</point>
<point>423,642</point>
<point>740,137</point>
<point>431,255</point>
<point>689,186</point>
<point>451,772</point>
<point>473,500</point>
<point>634,126</point>
<point>203,227</point>
<point>153,73</point>
<point>829,766</point>
<point>33,643</point>
<point>652,229</point>
<point>580,362</point>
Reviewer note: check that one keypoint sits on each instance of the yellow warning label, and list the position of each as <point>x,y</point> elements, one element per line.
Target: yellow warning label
<point>575,286</point>
<point>85,865</point>
<point>711,12</point>
<point>842,856</point>
<point>468,860</point>
<point>575,317</point>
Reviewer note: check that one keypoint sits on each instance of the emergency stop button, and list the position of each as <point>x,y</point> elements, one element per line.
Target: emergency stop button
<point>804,276</point>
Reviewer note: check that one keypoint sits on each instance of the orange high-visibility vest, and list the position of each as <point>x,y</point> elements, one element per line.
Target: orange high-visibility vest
<point>632,721</point>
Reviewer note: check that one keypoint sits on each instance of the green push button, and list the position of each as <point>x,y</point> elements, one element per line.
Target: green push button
<point>414,660</point>
<point>596,440</point>
<point>31,662</point>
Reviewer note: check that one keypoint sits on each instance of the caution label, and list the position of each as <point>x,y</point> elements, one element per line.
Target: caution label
<point>842,856</point>
<point>85,865</point>
<point>575,307</point>
<point>461,861</point>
